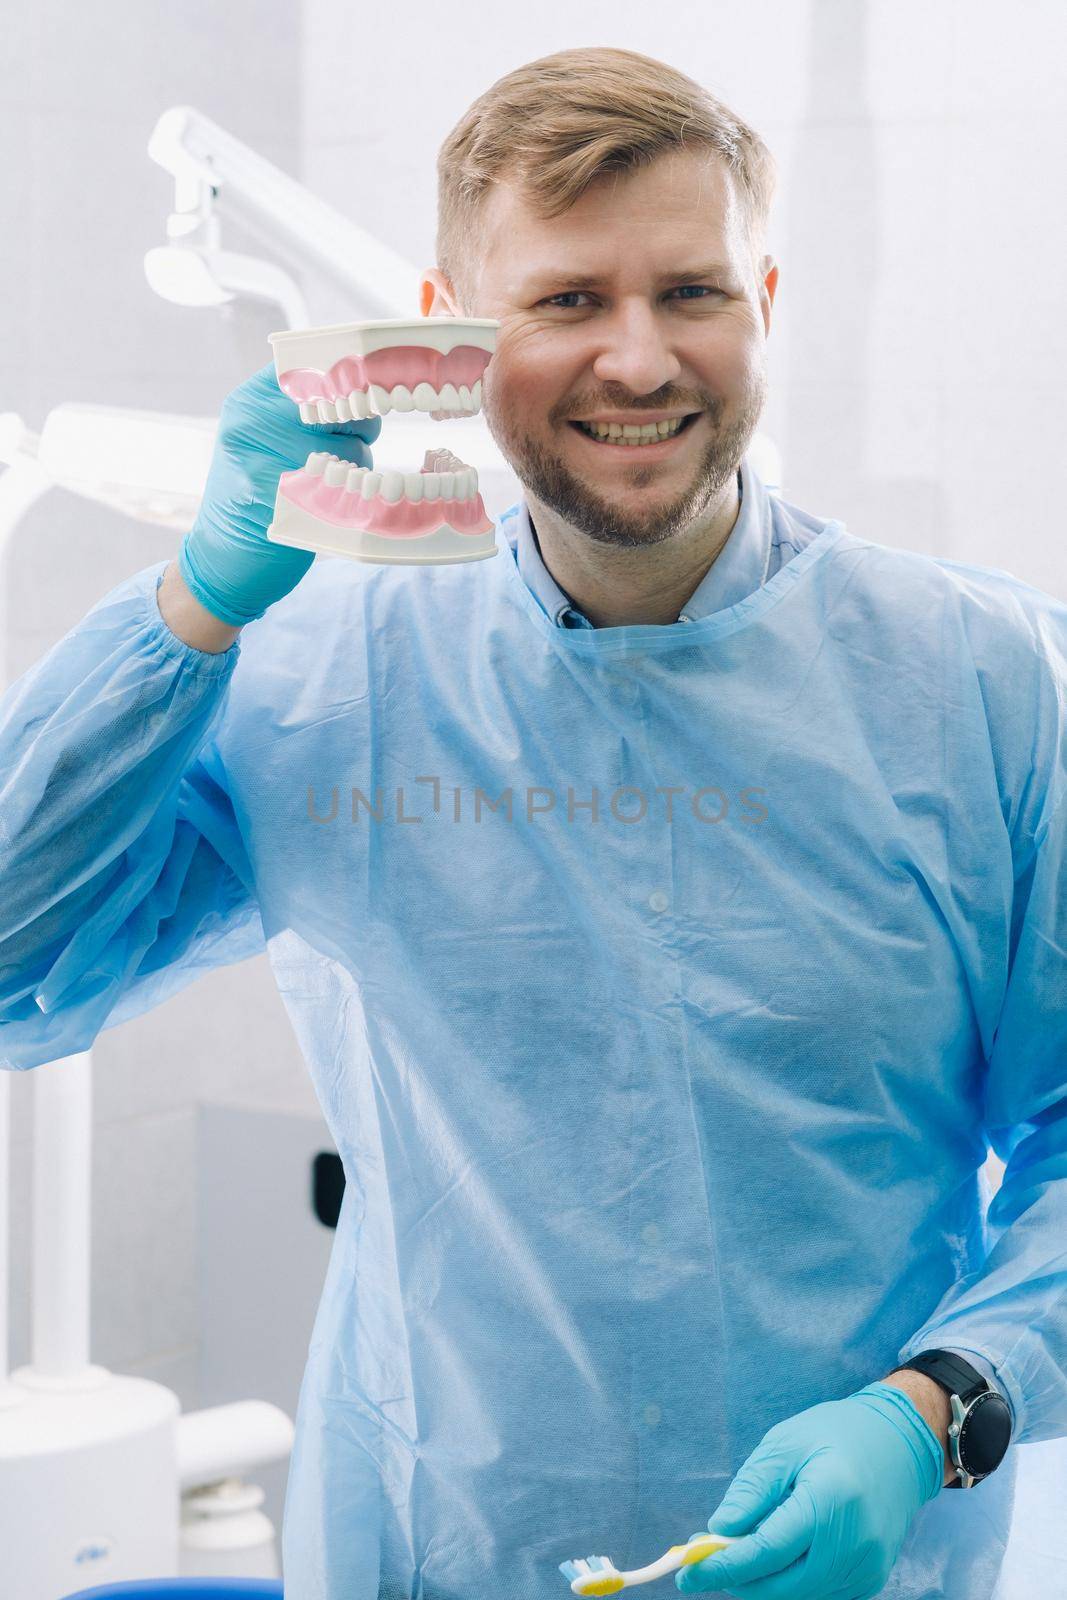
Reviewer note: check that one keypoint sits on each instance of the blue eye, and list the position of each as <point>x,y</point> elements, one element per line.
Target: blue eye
<point>573,294</point>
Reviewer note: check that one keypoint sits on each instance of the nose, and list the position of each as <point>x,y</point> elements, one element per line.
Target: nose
<point>635,349</point>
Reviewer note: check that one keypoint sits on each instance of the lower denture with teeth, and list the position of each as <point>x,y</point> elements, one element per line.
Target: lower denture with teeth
<point>435,515</point>
<point>359,370</point>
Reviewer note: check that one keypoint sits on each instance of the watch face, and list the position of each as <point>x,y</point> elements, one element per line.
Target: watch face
<point>985,1435</point>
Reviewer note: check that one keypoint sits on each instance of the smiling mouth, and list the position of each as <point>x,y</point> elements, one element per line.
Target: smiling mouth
<point>628,434</point>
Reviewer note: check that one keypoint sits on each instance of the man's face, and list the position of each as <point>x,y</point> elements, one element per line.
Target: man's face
<point>609,313</point>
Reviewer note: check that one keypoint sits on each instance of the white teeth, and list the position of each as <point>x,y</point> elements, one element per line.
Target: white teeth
<point>634,433</point>
<point>377,401</point>
<point>461,483</point>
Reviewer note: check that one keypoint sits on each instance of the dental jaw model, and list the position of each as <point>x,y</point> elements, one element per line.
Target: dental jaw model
<point>435,515</point>
<point>367,369</point>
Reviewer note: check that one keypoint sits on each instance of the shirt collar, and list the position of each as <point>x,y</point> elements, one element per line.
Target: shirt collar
<point>737,571</point>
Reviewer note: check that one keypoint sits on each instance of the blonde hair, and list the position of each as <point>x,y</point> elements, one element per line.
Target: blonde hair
<point>557,124</point>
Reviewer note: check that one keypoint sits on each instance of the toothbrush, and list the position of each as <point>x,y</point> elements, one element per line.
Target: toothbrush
<point>600,1575</point>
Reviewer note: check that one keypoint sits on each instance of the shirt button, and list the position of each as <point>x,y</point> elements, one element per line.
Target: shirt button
<point>652,1415</point>
<point>658,900</point>
<point>650,1233</point>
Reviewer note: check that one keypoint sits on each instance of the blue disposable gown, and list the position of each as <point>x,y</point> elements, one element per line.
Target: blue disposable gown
<point>660,1122</point>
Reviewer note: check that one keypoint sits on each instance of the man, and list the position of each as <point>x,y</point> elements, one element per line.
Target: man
<point>694,923</point>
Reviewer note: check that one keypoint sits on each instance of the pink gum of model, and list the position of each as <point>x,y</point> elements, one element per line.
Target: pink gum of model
<point>403,518</point>
<point>407,364</point>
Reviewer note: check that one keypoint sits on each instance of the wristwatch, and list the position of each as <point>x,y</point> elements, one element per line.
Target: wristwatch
<point>980,1430</point>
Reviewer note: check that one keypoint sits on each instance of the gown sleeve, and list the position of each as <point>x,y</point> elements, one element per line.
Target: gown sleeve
<point>1014,1311</point>
<point>123,873</point>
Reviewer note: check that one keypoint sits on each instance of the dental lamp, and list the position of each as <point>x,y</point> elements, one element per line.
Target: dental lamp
<point>189,275</point>
<point>214,172</point>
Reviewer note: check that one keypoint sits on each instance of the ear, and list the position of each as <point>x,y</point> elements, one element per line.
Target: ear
<point>768,283</point>
<point>437,298</point>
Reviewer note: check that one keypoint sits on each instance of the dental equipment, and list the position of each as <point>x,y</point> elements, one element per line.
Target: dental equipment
<point>357,370</point>
<point>213,170</point>
<point>151,465</point>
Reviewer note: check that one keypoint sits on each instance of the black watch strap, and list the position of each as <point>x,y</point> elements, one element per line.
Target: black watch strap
<point>951,1372</point>
<point>980,1429</point>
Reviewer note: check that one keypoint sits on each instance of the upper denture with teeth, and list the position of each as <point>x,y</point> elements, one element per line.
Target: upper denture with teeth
<point>365,369</point>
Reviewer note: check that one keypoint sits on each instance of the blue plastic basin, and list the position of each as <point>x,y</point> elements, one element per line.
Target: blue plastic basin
<point>186,1589</point>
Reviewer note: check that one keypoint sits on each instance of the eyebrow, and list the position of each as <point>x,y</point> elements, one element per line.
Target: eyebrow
<point>579,280</point>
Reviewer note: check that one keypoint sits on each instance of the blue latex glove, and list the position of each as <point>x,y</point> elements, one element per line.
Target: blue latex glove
<point>226,559</point>
<point>827,1497</point>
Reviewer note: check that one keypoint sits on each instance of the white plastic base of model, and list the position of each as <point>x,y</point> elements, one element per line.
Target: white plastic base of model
<point>296,527</point>
<point>321,347</point>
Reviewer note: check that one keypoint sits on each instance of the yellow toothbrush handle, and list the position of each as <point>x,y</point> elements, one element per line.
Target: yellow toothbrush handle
<point>699,1549</point>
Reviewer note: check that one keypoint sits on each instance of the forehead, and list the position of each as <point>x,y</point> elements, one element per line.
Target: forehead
<point>681,210</point>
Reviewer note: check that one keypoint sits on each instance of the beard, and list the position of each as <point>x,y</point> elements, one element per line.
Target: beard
<point>609,520</point>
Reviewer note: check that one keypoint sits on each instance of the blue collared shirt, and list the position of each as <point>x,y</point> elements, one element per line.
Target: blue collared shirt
<point>753,553</point>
